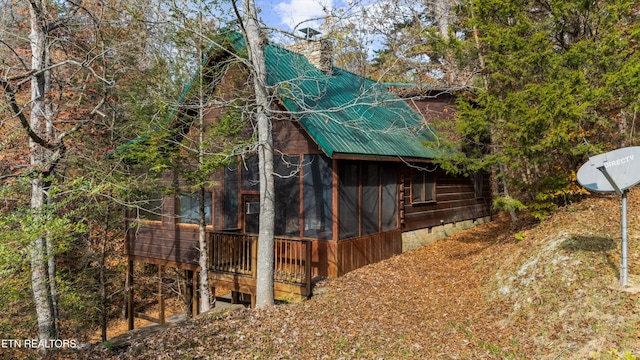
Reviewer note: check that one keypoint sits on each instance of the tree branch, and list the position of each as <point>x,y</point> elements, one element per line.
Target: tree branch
<point>14,175</point>
<point>11,98</point>
<point>84,65</point>
<point>14,53</point>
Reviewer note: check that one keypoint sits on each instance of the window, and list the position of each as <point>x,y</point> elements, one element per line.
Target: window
<point>368,198</point>
<point>317,200</point>
<point>151,209</point>
<point>251,214</point>
<point>315,193</point>
<point>348,193</point>
<point>189,208</point>
<point>423,186</point>
<point>389,188</point>
<point>250,174</point>
<point>287,195</point>
<point>231,196</point>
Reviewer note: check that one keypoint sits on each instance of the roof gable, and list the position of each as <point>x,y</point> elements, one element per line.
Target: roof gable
<point>343,113</point>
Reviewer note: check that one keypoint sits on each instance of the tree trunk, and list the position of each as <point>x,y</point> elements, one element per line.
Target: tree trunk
<point>264,291</point>
<point>38,156</point>
<point>441,9</point>
<point>51,269</point>
<point>205,295</point>
<point>53,287</point>
<point>39,272</point>
<point>442,14</point>
<point>50,135</point>
<point>102,276</point>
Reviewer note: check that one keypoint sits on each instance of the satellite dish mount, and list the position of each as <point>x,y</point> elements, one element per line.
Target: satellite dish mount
<point>615,171</point>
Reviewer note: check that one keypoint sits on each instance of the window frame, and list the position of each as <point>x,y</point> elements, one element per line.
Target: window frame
<point>317,197</point>
<point>423,184</point>
<point>193,196</point>
<point>346,230</point>
<point>231,197</point>
<point>287,193</point>
<point>156,200</point>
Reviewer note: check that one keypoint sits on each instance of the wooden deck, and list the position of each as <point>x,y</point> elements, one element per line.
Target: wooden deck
<point>234,259</point>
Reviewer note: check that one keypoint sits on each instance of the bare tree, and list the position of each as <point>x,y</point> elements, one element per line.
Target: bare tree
<point>44,153</point>
<point>255,42</point>
<point>54,84</point>
<point>203,259</point>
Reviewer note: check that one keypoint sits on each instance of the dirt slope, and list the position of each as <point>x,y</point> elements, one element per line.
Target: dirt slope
<point>497,291</point>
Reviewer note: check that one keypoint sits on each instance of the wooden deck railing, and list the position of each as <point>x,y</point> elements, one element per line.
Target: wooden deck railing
<point>236,253</point>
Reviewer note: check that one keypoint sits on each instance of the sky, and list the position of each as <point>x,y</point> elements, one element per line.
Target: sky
<point>286,14</point>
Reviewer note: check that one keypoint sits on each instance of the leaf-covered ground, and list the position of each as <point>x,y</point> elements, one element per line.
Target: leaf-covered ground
<point>498,291</point>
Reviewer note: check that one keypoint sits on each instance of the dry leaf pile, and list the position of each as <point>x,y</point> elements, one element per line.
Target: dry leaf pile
<point>497,291</point>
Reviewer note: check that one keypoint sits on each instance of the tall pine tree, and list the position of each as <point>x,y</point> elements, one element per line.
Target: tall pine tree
<point>557,82</point>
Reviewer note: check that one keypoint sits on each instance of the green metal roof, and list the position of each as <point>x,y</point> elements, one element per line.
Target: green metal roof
<point>344,113</point>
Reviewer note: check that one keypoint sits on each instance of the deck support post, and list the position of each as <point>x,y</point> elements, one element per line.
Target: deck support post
<point>161,318</point>
<point>212,290</point>
<point>307,266</point>
<point>188,292</point>
<point>130,307</point>
<point>195,301</point>
<point>254,258</point>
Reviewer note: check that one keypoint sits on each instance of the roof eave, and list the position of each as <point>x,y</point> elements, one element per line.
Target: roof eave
<point>376,157</point>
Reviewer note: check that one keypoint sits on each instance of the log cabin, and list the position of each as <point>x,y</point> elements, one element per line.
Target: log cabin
<point>355,182</point>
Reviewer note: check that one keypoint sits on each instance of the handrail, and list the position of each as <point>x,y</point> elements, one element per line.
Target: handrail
<point>236,253</point>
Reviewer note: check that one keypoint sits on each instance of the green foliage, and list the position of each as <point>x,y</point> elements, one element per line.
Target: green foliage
<point>144,64</point>
<point>215,150</point>
<point>559,84</point>
<point>515,353</point>
<point>74,222</point>
<point>507,203</point>
<point>61,221</point>
<point>177,140</point>
<point>626,355</point>
<point>231,123</point>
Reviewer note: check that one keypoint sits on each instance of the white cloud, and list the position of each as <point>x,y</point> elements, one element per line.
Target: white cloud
<point>293,12</point>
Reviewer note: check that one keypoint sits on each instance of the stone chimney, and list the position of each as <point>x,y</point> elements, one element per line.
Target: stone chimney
<point>319,52</point>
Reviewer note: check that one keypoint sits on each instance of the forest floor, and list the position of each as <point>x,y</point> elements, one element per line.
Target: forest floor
<point>502,290</point>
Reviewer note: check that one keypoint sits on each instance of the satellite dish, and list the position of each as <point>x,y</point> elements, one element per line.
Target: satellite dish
<point>615,171</point>
<point>309,33</point>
